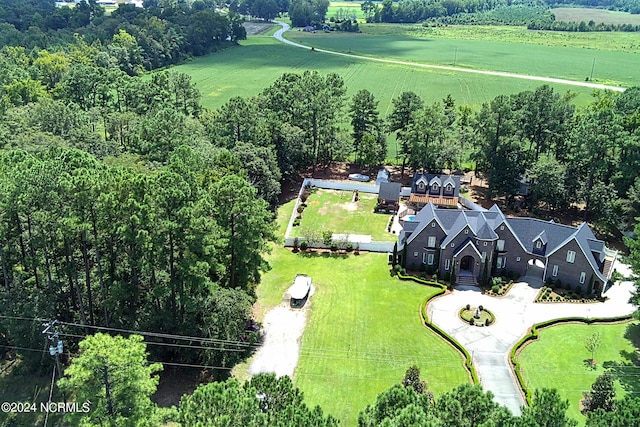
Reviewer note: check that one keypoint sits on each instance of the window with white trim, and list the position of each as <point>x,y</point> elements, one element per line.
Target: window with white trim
<point>453,245</point>
<point>583,276</point>
<point>500,245</point>
<point>430,258</point>
<point>571,256</point>
<point>421,185</point>
<point>502,228</point>
<point>433,224</point>
<point>434,187</point>
<point>485,243</point>
<point>554,273</point>
<point>415,254</point>
<point>538,244</point>
<point>501,261</point>
<point>518,259</point>
<point>466,231</point>
<point>431,242</point>
<point>447,264</point>
<point>449,188</point>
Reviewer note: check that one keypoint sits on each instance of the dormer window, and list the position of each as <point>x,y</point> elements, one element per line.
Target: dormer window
<point>448,188</point>
<point>421,185</point>
<point>434,187</point>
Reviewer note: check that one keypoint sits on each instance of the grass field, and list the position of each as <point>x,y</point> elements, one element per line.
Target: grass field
<point>363,329</point>
<point>347,7</point>
<point>428,46</point>
<point>331,210</point>
<point>248,69</point>
<point>577,14</point>
<point>558,360</point>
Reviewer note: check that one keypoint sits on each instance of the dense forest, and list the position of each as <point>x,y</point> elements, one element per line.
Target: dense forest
<point>137,39</point>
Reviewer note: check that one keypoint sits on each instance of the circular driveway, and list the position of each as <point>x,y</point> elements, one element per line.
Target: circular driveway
<point>515,313</point>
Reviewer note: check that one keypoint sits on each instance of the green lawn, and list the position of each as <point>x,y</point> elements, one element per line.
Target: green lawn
<point>234,72</point>
<point>443,47</point>
<point>363,331</point>
<point>331,210</point>
<point>558,360</point>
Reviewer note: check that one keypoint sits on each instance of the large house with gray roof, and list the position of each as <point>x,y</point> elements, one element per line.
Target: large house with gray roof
<point>460,242</point>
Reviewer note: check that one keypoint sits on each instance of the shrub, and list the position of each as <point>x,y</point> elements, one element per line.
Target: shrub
<point>334,246</point>
<point>497,281</point>
<point>558,283</point>
<point>397,268</point>
<point>403,271</point>
<point>567,286</point>
<point>579,290</point>
<point>467,307</point>
<point>304,245</point>
<point>480,308</point>
<point>422,267</point>
<point>471,322</point>
<point>356,250</point>
<point>300,208</point>
<point>486,322</point>
<point>446,276</point>
<point>495,289</point>
<point>296,243</point>
<point>348,247</point>
<point>296,222</point>
<point>549,281</point>
<point>434,277</point>
<point>304,196</point>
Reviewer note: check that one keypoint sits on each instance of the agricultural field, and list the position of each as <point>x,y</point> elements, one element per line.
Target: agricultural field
<point>349,352</point>
<point>233,72</point>
<point>559,360</point>
<point>337,8</point>
<point>439,46</point>
<point>577,14</point>
<point>335,211</point>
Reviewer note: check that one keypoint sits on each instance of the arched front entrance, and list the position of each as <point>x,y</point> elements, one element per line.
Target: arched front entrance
<point>535,268</point>
<point>467,263</point>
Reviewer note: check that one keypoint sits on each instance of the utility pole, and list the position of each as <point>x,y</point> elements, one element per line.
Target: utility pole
<point>56,346</point>
<point>593,64</point>
<point>455,57</point>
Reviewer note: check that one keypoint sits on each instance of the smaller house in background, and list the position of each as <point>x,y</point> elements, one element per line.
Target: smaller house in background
<point>441,190</point>
<point>389,196</point>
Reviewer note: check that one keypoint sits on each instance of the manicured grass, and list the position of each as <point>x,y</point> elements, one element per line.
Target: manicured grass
<point>559,360</point>
<point>363,331</point>
<point>254,65</point>
<point>444,47</point>
<point>577,14</point>
<point>331,210</point>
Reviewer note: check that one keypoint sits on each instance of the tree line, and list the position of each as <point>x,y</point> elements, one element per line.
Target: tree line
<point>160,34</point>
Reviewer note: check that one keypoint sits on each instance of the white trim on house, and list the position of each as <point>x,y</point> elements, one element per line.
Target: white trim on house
<point>462,248</point>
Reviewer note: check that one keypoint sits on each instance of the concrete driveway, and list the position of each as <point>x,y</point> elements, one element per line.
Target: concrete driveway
<point>515,313</point>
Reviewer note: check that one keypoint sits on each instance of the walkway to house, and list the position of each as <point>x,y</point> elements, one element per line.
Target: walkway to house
<point>515,313</point>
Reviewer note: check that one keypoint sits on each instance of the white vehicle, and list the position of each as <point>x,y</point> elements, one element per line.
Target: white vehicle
<point>358,177</point>
<point>299,291</point>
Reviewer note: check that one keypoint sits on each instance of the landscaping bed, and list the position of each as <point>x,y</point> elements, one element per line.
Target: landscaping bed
<point>553,294</point>
<point>468,314</point>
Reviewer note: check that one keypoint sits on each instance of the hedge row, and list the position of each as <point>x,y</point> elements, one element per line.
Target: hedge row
<point>533,335</point>
<point>468,363</point>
